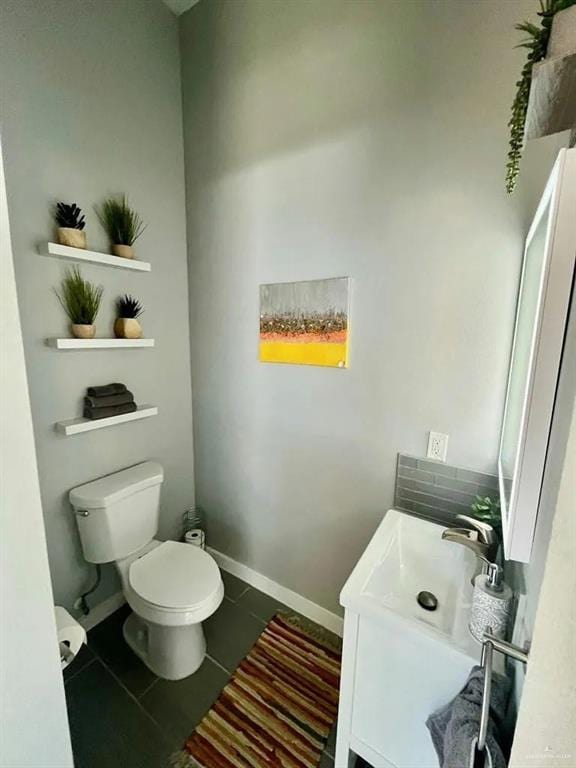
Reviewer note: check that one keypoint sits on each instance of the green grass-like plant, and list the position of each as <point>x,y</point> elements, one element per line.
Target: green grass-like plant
<point>536,43</point>
<point>122,224</point>
<point>128,306</point>
<point>80,299</point>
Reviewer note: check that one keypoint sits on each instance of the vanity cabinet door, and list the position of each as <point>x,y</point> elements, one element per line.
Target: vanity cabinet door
<point>401,678</point>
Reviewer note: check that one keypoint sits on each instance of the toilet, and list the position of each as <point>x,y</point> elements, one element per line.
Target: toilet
<point>171,587</point>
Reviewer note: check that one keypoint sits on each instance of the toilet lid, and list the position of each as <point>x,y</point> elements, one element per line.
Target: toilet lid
<point>174,575</point>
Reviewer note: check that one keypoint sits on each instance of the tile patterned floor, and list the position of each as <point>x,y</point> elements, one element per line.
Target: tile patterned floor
<point>123,716</point>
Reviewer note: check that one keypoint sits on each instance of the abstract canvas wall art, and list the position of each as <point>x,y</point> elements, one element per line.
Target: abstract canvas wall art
<point>305,323</point>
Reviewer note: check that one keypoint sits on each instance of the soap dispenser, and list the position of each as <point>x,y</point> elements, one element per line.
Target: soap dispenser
<point>491,604</point>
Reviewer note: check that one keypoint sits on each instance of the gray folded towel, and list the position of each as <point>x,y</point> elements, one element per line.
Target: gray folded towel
<point>106,413</point>
<point>106,389</point>
<point>105,401</point>
<point>454,728</point>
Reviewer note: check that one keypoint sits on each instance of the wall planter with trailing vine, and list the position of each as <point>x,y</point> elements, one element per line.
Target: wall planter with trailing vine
<point>545,101</point>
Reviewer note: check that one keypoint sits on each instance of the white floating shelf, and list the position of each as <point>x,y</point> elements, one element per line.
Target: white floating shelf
<point>75,426</point>
<point>99,343</point>
<point>80,254</point>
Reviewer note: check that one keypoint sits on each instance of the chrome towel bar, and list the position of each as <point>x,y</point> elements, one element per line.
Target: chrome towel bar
<point>489,645</point>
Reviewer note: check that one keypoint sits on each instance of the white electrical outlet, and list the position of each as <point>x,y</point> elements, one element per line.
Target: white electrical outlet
<point>437,446</point>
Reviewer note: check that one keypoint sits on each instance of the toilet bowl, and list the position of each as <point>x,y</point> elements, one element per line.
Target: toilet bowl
<point>170,587</point>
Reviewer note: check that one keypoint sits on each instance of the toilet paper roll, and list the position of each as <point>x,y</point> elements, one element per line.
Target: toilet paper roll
<point>490,609</point>
<point>195,536</point>
<point>71,635</point>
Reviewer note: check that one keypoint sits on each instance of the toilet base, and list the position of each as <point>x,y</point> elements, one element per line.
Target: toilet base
<point>170,652</point>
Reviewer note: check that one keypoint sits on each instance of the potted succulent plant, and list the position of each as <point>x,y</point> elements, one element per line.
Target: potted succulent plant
<point>122,224</point>
<point>81,302</point>
<point>488,511</point>
<point>128,310</point>
<point>71,225</point>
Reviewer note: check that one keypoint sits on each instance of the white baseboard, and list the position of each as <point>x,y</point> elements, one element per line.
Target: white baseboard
<point>102,611</point>
<point>303,605</point>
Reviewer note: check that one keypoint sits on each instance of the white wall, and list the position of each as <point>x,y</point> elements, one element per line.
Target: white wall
<point>33,722</point>
<point>546,730</point>
<point>91,105</point>
<point>366,139</point>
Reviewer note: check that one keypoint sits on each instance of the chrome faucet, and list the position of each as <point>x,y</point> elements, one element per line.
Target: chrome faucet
<point>477,536</point>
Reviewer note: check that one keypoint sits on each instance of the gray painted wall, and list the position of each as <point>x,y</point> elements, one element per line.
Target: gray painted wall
<point>91,105</point>
<point>364,139</point>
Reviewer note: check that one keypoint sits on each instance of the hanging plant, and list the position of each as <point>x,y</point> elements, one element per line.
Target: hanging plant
<point>537,44</point>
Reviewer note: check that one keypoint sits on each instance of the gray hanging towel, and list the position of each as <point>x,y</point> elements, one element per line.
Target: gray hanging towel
<point>454,728</point>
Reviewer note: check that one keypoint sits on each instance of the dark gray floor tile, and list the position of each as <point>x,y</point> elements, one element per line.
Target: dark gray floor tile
<point>233,586</point>
<point>108,728</point>
<point>84,657</point>
<point>331,743</point>
<point>179,706</point>
<point>107,641</point>
<point>260,605</point>
<point>230,634</point>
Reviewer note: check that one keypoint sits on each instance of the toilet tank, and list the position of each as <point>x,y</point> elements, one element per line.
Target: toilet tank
<point>118,514</point>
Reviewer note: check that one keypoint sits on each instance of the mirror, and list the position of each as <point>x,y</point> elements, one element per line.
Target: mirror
<point>541,316</point>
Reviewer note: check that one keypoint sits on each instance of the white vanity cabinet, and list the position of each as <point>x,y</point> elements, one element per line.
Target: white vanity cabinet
<point>400,662</point>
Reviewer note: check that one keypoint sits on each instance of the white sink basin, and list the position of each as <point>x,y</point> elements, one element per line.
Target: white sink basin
<point>406,556</point>
<point>400,662</point>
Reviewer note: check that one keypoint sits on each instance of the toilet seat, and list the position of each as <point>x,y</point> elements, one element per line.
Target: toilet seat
<point>176,577</point>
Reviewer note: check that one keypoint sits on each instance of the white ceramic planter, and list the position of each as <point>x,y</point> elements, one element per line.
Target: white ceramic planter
<point>552,104</point>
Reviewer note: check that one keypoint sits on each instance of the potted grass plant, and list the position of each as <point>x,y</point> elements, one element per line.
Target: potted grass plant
<point>128,310</point>
<point>123,225</point>
<point>81,301</point>
<point>70,223</point>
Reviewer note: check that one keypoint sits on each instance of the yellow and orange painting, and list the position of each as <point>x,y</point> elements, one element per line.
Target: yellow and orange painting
<point>305,323</point>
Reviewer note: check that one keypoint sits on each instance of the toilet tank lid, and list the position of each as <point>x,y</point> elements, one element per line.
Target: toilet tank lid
<point>112,488</point>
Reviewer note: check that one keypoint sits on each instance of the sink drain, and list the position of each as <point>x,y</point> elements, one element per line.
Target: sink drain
<point>427,600</point>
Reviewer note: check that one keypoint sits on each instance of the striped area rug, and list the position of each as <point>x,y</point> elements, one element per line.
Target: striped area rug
<point>278,708</point>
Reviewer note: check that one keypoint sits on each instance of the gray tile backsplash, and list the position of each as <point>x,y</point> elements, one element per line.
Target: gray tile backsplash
<point>439,491</point>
